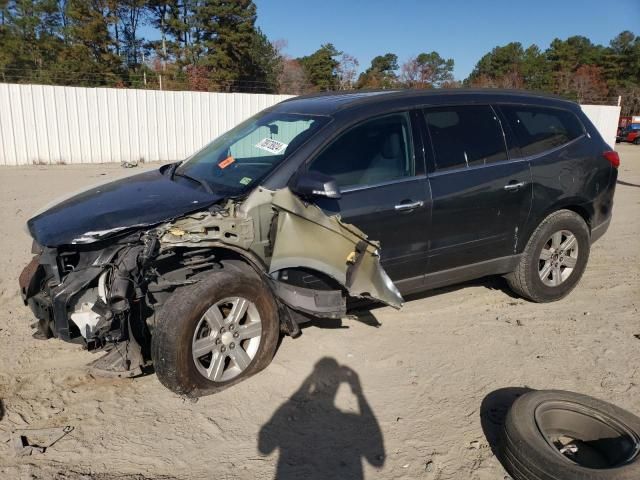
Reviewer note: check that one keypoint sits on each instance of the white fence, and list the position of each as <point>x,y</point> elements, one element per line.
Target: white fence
<point>45,124</point>
<point>605,118</point>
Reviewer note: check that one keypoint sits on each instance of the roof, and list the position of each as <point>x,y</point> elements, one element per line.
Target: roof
<point>328,103</point>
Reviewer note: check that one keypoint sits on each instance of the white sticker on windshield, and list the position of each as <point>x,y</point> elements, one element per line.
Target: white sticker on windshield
<point>272,146</point>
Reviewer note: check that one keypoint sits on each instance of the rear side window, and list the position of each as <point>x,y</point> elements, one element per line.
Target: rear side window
<point>464,136</point>
<point>538,129</point>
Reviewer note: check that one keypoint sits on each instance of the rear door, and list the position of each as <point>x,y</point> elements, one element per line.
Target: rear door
<point>481,199</point>
<point>381,174</point>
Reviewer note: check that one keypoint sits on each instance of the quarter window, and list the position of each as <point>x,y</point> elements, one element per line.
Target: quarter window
<point>465,136</point>
<point>376,151</point>
<point>538,129</point>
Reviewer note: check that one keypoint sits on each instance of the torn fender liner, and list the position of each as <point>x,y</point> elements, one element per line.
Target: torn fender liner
<point>325,303</point>
<point>307,237</point>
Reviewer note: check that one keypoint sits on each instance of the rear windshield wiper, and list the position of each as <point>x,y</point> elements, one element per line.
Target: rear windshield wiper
<point>173,172</point>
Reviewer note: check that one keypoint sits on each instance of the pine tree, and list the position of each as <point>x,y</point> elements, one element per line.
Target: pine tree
<point>90,54</point>
<point>321,67</point>
<point>30,35</point>
<point>229,38</point>
<point>381,73</point>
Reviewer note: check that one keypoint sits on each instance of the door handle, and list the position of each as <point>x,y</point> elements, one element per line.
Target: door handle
<point>514,186</point>
<point>409,206</point>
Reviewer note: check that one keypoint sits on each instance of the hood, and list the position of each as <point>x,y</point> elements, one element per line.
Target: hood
<point>140,200</point>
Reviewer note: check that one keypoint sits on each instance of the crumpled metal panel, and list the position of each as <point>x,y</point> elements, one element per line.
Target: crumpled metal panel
<point>206,229</point>
<point>307,237</point>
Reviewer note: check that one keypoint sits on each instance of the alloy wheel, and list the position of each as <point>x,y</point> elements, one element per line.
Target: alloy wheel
<point>558,258</point>
<point>226,339</point>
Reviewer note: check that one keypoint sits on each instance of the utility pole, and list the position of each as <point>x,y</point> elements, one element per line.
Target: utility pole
<point>164,49</point>
<point>164,44</point>
<point>144,71</point>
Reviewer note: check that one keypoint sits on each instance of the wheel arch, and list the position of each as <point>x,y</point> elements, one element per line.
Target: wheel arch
<point>228,252</point>
<point>576,205</point>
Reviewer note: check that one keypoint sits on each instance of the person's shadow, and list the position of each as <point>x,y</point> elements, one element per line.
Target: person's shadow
<point>317,440</point>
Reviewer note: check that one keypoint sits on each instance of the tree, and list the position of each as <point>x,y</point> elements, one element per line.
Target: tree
<point>427,70</point>
<point>130,15</point>
<point>622,61</point>
<point>321,68</point>
<point>226,31</point>
<point>621,69</point>
<point>502,67</point>
<point>381,73</point>
<point>175,20</point>
<point>569,54</point>
<point>511,66</point>
<point>89,57</point>
<point>292,78</point>
<point>262,66</point>
<point>536,69</point>
<point>588,84</point>
<point>215,40</point>
<point>347,71</point>
<point>30,35</point>
<point>566,56</point>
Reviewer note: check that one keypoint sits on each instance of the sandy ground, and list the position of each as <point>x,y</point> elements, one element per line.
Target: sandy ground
<point>424,406</point>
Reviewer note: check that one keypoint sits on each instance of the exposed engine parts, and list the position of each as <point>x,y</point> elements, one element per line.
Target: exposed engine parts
<point>106,294</point>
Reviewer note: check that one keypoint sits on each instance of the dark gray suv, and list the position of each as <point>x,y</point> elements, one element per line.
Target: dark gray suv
<point>198,266</point>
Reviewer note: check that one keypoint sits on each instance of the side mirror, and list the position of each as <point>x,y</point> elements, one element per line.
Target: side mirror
<point>313,184</point>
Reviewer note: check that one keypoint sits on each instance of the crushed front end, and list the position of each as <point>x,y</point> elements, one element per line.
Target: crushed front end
<point>104,289</point>
<point>93,295</point>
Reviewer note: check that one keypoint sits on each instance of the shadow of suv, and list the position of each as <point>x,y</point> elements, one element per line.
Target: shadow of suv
<point>198,266</point>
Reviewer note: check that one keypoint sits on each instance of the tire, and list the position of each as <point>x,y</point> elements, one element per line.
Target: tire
<point>636,141</point>
<point>181,323</point>
<point>541,424</point>
<point>527,280</point>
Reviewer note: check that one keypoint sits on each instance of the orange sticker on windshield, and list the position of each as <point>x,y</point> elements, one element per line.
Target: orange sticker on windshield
<point>226,162</point>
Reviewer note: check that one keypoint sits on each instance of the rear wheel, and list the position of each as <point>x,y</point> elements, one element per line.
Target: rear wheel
<point>636,141</point>
<point>554,259</point>
<point>215,333</point>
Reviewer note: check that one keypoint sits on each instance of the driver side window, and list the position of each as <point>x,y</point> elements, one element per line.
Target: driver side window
<point>373,152</point>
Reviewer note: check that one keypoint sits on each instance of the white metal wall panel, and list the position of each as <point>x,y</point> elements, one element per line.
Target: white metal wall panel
<point>46,124</point>
<point>605,118</point>
<point>19,134</point>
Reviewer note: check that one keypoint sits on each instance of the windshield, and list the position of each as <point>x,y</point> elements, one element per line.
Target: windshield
<point>244,155</point>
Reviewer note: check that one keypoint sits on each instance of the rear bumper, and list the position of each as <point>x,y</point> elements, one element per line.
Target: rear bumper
<point>598,231</point>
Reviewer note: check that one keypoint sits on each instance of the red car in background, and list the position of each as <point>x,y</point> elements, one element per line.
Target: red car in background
<point>630,134</point>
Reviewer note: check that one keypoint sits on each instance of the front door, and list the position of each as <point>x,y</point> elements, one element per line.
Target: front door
<point>481,199</point>
<point>384,190</point>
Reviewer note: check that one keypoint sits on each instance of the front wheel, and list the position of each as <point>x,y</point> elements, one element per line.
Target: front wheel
<point>215,333</point>
<point>554,259</point>
<point>636,141</point>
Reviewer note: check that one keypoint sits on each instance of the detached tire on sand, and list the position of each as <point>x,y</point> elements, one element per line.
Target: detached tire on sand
<point>557,435</point>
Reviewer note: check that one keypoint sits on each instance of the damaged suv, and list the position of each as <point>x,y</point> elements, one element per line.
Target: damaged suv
<point>198,266</point>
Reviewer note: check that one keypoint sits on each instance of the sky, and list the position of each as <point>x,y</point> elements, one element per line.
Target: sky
<point>458,29</point>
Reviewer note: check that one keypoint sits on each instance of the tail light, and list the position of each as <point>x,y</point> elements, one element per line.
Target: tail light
<point>613,157</point>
